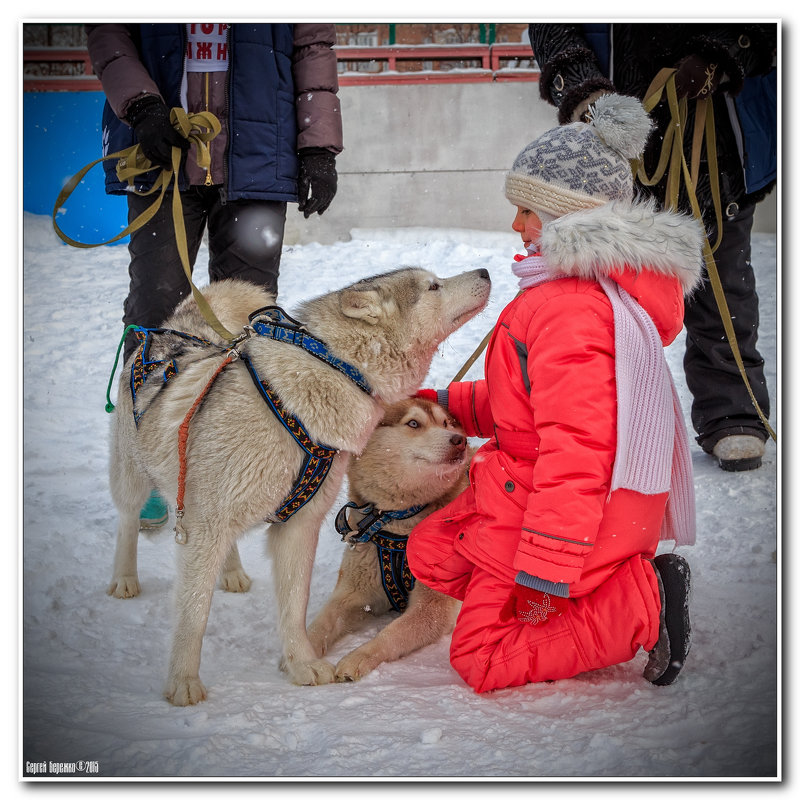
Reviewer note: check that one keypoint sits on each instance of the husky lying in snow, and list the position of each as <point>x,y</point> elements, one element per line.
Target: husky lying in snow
<point>243,462</point>
<point>415,462</point>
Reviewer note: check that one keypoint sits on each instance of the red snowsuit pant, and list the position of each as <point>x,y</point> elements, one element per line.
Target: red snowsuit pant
<point>605,627</point>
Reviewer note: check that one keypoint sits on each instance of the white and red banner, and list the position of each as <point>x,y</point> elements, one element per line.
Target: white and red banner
<point>207,47</point>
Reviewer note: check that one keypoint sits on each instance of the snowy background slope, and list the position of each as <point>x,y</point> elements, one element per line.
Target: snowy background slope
<point>93,667</point>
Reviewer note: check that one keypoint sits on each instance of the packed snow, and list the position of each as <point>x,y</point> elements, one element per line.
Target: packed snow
<point>93,667</point>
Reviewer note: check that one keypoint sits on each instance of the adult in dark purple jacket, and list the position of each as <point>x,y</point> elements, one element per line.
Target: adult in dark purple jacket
<point>274,90</point>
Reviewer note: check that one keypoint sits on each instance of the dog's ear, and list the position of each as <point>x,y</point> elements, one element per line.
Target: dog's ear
<point>363,304</point>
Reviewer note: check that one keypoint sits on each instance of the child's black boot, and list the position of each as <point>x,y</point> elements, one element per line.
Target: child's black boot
<point>674,638</point>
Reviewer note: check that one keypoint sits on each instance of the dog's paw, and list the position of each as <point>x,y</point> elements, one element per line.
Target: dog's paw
<point>310,673</point>
<point>237,580</point>
<point>124,586</point>
<point>319,640</point>
<point>355,666</point>
<point>185,691</point>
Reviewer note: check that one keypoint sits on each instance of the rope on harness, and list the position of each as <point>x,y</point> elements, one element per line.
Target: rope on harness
<point>199,128</point>
<point>672,156</point>
<point>109,405</point>
<point>474,357</point>
<point>183,437</point>
<point>317,459</point>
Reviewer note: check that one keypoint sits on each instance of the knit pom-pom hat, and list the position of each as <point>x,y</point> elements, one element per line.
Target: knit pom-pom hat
<point>583,164</point>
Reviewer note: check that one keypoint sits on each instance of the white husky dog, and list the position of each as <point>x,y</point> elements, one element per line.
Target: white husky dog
<point>329,377</point>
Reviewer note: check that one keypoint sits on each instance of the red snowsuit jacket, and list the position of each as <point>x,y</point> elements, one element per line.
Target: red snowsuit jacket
<point>538,499</point>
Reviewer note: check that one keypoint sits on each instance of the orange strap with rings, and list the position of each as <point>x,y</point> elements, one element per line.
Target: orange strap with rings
<point>183,437</point>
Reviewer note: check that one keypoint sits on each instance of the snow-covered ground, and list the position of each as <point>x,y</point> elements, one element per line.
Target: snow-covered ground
<point>93,667</point>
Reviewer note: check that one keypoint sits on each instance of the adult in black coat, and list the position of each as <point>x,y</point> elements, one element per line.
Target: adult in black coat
<point>734,65</point>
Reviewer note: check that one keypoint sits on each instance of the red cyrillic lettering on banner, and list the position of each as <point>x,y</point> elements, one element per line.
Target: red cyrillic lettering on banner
<point>207,47</point>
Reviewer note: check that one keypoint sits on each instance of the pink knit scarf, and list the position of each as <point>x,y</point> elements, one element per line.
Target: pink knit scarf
<point>652,443</point>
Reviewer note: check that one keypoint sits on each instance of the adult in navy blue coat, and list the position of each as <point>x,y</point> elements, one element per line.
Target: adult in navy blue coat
<point>734,64</point>
<point>274,89</point>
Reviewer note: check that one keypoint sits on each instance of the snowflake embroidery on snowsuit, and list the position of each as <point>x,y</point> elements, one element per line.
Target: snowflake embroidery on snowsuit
<point>538,611</point>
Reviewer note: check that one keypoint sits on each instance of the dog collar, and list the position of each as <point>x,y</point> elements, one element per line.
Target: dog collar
<point>396,576</point>
<point>373,521</point>
<point>274,323</point>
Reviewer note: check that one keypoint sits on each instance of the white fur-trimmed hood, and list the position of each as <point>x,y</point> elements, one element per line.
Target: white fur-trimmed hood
<point>595,242</point>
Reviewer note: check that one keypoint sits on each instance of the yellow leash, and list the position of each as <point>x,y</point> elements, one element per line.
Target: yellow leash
<point>672,155</point>
<point>473,358</point>
<point>199,128</point>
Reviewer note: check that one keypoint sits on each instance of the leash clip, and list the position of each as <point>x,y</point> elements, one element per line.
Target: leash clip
<point>362,531</point>
<point>181,537</point>
<point>247,333</point>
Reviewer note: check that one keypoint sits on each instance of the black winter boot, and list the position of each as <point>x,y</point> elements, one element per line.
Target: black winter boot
<point>674,638</point>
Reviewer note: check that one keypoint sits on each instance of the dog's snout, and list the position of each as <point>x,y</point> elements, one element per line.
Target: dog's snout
<point>457,440</point>
<point>484,273</point>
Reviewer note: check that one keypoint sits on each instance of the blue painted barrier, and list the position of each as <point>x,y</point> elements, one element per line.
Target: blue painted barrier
<point>61,135</point>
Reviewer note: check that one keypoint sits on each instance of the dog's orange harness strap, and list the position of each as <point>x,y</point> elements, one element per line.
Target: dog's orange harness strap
<point>183,437</point>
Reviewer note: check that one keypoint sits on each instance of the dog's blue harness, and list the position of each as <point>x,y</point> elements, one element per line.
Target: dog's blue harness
<point>395,574</point>
<point>274,323</point>
<point>143,367</point>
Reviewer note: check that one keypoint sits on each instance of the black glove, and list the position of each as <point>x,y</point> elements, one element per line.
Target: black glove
<point>149,118</point>
<point>695,77</point>
<point>316,183</point>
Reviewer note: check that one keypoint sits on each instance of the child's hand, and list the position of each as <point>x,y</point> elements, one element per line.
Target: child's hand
<point>532,606</point>
<point>427,394</point>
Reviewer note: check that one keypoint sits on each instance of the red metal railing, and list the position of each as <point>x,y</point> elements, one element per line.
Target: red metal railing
<point>48,56</point>
<point>447,57</point>
<point>443,60</point>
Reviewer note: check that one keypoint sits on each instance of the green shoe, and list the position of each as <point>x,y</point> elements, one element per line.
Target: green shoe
<point>154,513</point>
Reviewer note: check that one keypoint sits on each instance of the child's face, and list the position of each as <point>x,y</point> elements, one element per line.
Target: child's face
<point>528,225</point>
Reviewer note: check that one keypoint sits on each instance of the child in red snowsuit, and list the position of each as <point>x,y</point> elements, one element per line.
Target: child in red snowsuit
<point>552,547</point>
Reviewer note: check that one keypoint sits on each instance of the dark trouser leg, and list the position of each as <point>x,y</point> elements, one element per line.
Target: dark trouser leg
<point>157,280</point>
<point>245,238</point>
<point>721,404</point>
